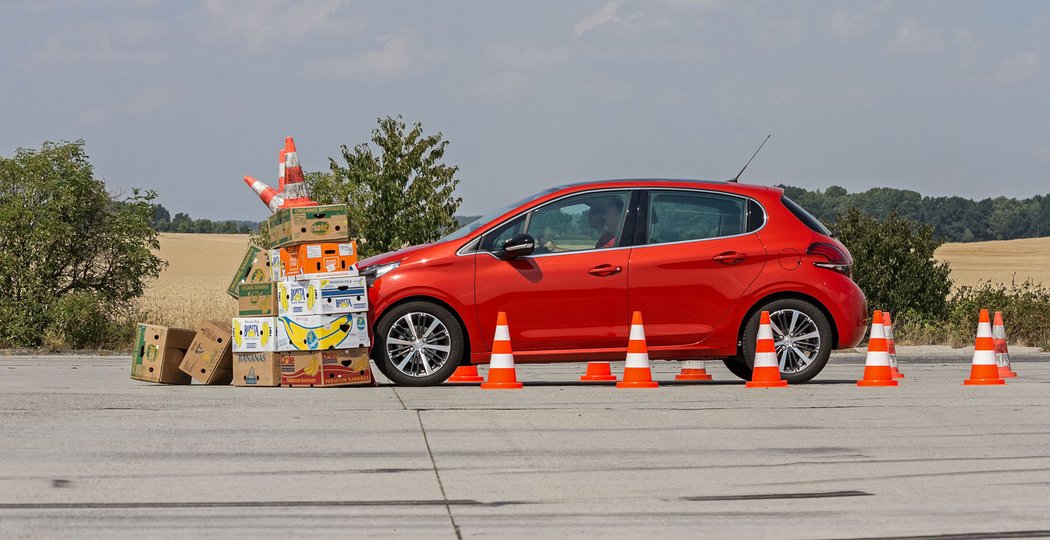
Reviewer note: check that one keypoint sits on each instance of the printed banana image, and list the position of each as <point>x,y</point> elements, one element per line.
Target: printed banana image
<point>237,333</point>
<point>313,367</point>
<point>320,338</point>
<point>283,293</point>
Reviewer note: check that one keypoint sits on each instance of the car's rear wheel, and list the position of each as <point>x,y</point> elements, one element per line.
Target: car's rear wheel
<point>418,344</point>
<point>802,337</point>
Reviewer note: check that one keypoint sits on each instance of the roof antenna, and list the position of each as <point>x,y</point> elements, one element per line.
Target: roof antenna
<point>736,178</point>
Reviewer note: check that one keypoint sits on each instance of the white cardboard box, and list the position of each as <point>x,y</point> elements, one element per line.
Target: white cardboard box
<point>255,334</point>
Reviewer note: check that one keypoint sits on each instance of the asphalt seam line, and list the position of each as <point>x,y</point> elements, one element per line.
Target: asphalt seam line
<point>441,486</point>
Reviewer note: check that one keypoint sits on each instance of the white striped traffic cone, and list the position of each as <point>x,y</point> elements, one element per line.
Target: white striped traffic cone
<point>1002,353</point>
<point>766,371</point>
<point>891,345</point>
<point>693,370</point>
<point>636,372</point>
<point>501,364</point>
<point>983,369</point>
<point>877,364</point>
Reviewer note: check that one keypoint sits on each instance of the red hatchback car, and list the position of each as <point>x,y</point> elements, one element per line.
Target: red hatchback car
<point>569,265</point>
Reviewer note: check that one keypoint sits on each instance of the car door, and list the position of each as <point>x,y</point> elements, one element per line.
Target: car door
<point>696,256</point>
<point>571,293</point>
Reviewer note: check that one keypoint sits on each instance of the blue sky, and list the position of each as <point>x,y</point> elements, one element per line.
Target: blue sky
<point>944,97</point>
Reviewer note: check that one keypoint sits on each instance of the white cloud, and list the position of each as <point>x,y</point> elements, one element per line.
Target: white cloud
<point>911,36</point>
<point>397,56</point>
<point>148,101</point>
<point>1018,69</point>
<point>258,24</point>
<point>133,43</point>
<point>608,13</point>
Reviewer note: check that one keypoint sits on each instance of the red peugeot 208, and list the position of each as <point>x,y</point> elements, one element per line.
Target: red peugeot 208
<point>569,265</point>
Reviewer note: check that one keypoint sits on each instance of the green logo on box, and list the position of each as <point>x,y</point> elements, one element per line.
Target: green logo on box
<point>321,227</point>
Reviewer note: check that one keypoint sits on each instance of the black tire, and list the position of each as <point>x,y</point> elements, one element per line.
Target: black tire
<point>419,310</point>
<point>785,308</point>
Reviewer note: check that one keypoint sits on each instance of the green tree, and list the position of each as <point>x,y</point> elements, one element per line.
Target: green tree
<point>73,258</point>
<point>399,193</point>
<point>894,264</point>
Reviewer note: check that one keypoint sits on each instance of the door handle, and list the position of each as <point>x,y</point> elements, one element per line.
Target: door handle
<point>730,257</point>
<point>605,270</point>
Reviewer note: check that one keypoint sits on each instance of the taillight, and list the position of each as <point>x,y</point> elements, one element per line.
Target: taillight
<point>836,259</point>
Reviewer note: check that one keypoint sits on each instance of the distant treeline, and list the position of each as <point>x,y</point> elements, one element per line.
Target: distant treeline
<point>183,223</point>
<point>954,219</point>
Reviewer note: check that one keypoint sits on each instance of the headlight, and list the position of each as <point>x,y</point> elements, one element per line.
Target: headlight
<point>375,272</point>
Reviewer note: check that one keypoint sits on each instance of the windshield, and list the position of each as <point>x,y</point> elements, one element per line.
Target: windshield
<point>473,225</point>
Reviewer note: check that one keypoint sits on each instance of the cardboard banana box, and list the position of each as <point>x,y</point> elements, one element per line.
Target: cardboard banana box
<point>158,352</point>
<point>257,369</point>
<point>322,296</point>
<point>209,358</point>
<point>306,224</point>
<point>322,332</point>
<point>314,261</point>
<point>344,367</point>
<point>254,268</point>
<point>254,334</point>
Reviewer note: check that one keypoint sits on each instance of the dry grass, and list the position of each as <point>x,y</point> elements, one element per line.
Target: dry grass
<point>193,286</point>
<point>1000,261</point>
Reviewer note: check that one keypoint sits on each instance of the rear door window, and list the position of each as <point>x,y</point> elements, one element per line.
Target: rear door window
<point>680,216</point>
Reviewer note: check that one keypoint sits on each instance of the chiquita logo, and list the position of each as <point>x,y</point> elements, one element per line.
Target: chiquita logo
<point>360,323</point>
<point>311,340</point>
<point>321,227</point>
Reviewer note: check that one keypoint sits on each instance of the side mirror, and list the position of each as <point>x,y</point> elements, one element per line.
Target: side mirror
<point>519,245</point>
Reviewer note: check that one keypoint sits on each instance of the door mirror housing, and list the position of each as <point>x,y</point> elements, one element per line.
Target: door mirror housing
<point>519,245</point>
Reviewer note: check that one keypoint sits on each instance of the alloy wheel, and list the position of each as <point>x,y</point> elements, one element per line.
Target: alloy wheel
<point>418,344</point>
<point>796,337</point>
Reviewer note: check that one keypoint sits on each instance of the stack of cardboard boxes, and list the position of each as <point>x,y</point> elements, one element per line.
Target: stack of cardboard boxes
<point>301,317</point>
<point>306,323</point>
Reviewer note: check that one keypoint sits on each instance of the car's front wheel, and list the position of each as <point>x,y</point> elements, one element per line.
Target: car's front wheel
<point>418,344</point>
<point>802,337</point>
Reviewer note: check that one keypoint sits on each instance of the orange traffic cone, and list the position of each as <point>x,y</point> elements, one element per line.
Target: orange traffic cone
<point>636,373</point>
<point>501,364</point>
<point>983,369</point>
<point>693,370</point>
<point>877,364</point>
<point>766,371</point>
<point>1002,355</point>
<point>891,346</point>
<point>598,372</point>
<point>466,374</point>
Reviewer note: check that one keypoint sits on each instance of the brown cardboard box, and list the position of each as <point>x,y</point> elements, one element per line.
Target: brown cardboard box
<point>257,299</point>
<point>257,369</point>
<point>254,268</point>
<point>210,358</point>
<point>338,367</point>
<point>158,352</point>
<point>307,224</point>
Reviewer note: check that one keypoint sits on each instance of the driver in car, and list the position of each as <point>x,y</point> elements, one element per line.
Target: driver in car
<point>602,216</point>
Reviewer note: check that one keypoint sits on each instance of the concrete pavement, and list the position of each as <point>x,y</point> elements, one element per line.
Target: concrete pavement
<point>88,452</point>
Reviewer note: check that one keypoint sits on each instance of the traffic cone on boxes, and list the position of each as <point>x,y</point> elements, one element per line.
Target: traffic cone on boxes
<point>291,182</point>
<point>983,368</point>
<point>636,372</point>
<point>891,346</point>
<point>1002,355</point>
<point>501,364</point>
<point>877,370</point>
<point>766,370</point>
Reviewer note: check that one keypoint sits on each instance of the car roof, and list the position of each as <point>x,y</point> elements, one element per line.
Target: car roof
<point>721,185</point>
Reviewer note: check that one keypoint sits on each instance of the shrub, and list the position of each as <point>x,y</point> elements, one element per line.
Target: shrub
<point>894,264</point>
<point>73,257</point>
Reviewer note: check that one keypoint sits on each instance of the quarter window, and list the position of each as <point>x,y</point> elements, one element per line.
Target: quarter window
<point>678,216</point>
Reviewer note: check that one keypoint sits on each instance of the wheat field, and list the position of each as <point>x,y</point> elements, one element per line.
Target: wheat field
<point>193,287</point>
